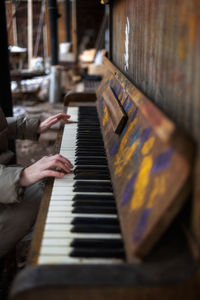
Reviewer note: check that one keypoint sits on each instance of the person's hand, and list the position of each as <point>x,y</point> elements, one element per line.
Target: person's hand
<point>46,124</point>
<point>45,167</point>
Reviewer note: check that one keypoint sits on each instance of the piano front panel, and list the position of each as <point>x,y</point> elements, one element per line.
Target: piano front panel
<point>148,162</point>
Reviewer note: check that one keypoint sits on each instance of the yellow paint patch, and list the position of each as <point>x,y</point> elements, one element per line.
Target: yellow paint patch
<point>127,134</point>
<point>105,117</point>
<point>159,187</point>
<point>120,95</point>
<point>146,148</point>
<point>122,101</point>
<point>125,152</point>
<point>141,183</point>
<point>123,158</point>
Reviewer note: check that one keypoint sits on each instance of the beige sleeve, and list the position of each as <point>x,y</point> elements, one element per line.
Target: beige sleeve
<point>23,128</point>
<point>10,191</point>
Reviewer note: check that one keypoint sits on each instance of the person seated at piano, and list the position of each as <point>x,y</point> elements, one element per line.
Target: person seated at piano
<point>21,188</point>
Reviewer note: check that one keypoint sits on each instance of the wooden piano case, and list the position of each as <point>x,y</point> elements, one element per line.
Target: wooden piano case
<point>155,44</point>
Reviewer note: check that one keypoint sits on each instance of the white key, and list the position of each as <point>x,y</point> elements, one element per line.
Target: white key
<point>73,235</point>
<point>62,259</point>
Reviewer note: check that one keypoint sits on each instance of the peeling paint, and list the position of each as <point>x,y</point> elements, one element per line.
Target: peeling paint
<point>126,55</point>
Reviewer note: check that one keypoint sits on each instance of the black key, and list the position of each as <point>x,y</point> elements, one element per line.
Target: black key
<point>86,148</point>
<point>87,161</point>
<point>93,203</point>
<point>92,176</point>
<point>94,210</point>
<point>92,183</point>
<point>96,169</point>
<point>98,253</point>
<point>89,143</point>
<point>93,189</point>
<point>97,243</point>
<point>84,228</point>
<point>90,153</point>
<point>93,197</point>
<point>95,221</point>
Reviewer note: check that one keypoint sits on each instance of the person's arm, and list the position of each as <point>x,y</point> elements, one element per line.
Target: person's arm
<point>10,190</point>
<point>30,128</point>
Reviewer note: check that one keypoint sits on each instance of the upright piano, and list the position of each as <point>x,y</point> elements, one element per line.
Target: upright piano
<point>119,226</point>
<point>115,226</point>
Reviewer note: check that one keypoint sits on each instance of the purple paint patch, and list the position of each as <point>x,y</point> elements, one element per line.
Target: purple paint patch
<point>123,131</point>
<point>134,114</point>
<point>145,135</point>
<point>114,149</point>
<point>125,102</point>
<point>141,225</point>
<point>136,157</point>
<point>162,161</point>
<point>119,91</point>
<point>128,190</point>
<point>135,135</point>
<point>128,106</point>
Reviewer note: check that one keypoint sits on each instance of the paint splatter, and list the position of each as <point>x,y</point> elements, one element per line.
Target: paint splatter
<point>126,55</point>
<point>128,190</point>
<point>125,102</point>
<point>162,161</point>
<point>141,226</point>
<point>134,114</point>
<point>141,183</point>
<point>147,146</point>
<point>128,106</point>
<point>105,117</point>
<point>114,149</point>
<point>135,135</point>
<point>119,91</point>
<point>123,158</point>
<point>145,135</point>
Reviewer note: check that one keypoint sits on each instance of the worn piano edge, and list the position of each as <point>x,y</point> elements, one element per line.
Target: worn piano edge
<point>168,132</point>
<point>40,221</point>
<point>128,277</point>
<point>163,127</point>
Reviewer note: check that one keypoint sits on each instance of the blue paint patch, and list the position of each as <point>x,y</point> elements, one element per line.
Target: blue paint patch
<point>119,91</point>
<point>162,161</point>
<point>141,225</point>
<point>128,106</point>
<point>145,135</point>
<point>123,131</point>
<point>125,102</point>
<point>135,135</point>
<point>134,114</point>
<point>128,190</point>
<point>115,92</point>
<point>137,157</point>
<point>114,149</point>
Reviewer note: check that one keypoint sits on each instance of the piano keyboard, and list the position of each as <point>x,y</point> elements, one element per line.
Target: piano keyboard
<point>82,224</point>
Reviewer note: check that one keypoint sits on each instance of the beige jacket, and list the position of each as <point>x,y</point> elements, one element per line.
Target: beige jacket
<point>13,128</point>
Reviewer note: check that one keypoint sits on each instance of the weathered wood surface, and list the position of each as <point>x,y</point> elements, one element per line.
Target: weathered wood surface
<point>156,44</point>
<point>150,163</point>
<point>79,98</point>
<point>115,111</point>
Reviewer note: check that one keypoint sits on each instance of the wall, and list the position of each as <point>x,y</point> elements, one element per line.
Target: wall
<point>156,43</point>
